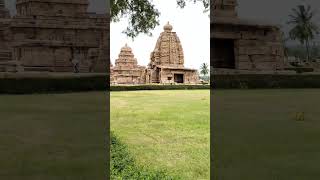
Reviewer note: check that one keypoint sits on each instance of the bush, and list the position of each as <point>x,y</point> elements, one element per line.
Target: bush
<point>253,81</point>
<point>157,87</point>
<point>30,85</point>
<point>123,165</point>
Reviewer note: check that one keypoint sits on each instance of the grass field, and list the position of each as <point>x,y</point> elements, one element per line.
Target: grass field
<point>256,135</point>
<point>56,136</point>
<point>165,130</point>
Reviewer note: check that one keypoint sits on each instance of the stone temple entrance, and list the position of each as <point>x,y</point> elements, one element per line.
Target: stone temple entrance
<point>223,53</point>
<point>178,78</point>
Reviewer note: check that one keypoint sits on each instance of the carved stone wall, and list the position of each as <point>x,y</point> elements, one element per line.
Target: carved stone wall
<point>71,8</point>
<point>167,75</point>
<point>253,46</point>
<point>53,35</point>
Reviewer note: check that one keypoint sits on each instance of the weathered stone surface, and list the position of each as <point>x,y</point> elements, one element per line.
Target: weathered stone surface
<point>241,44</point>
<point>167,61</point>
<point>126,69</point>
<point>228,9</point>
<point>4,13</point>
<point>58,36</point>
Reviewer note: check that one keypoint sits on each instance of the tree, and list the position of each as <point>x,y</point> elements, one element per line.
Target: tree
<point>303,29</point>
<point>204,69</point>
<point>142,14</point>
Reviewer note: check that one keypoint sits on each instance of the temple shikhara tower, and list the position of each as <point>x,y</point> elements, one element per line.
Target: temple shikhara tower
<point>166,63</point>
<point>243,45</point>
<point>54,36</point>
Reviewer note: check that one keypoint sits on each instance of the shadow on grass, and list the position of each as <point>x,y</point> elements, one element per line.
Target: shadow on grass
<point>123,165</point>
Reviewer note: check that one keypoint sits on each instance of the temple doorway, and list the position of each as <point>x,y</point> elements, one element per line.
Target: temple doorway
<point>178,78</point>
<point>222,53</point>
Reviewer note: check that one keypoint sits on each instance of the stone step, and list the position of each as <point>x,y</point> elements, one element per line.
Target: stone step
<point>62,63</point>
<point>63,69</point>
<point>36,68</point>
<point>84,68</point>
<point>5,56</point>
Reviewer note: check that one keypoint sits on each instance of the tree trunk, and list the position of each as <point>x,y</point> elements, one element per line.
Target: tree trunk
<point>307,48</point>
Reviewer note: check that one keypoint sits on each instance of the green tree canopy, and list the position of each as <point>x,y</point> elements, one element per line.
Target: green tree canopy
<point>303,29</point>
<point>143,16</point>
<point>204,69</point>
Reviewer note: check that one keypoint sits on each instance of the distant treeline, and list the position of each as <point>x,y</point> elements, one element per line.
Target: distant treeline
<point>300,51</point>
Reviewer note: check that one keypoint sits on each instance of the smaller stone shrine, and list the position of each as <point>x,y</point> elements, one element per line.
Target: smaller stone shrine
<point>126,69</point>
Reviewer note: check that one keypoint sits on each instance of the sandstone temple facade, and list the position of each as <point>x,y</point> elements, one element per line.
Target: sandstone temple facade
<point>126,69</point>
<point>238,44</point>
<point>53,36</point>
<point>166,64</point>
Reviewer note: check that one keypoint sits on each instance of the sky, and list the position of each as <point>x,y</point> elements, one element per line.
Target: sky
<point>276,11</point>
<point>191,25</point>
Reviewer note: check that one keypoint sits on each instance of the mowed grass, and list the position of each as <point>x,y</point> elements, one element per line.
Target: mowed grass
<point>165,130</point>
<point>54,136</point>
<point>256,135</point>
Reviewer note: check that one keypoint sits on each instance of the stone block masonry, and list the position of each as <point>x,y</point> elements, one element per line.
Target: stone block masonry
<point>55,36</point>
<point>240,44</point>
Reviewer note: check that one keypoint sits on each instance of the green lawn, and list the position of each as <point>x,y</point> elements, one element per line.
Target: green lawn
<point>56,136</point>
<point>165,130</point>
<point>257,137</point>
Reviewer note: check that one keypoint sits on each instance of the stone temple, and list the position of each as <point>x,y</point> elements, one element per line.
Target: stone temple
<point>53,36</point>
<point>126,69</point>
<point>166,64</point>
<point>242,45</point>
<point>167,61</point>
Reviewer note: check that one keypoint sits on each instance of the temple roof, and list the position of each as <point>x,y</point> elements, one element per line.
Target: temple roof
<point>126,58</point>
<point>243,22</point>
<point>168,27</point>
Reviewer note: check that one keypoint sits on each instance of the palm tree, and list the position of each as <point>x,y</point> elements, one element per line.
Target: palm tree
<point>303,27</point>
<point>204,69</point>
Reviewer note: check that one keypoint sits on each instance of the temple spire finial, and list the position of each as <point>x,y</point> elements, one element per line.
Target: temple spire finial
<point>168,27</point>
